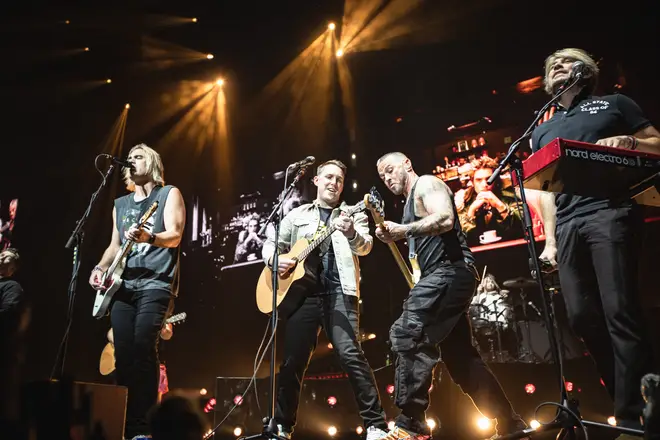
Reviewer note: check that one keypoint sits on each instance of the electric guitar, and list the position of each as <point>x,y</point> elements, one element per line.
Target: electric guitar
<point>300,250</point>
<point>375,204</point>
<point>107,362</point>
<point>111,280</point>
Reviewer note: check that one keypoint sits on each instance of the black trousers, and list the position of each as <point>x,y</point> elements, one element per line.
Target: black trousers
<point>338,315</point>
<point>597,255</point>
<point>137,318</point>
<point>434,321</point>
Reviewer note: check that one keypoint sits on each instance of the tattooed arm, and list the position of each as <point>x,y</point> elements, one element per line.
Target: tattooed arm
<point>433,203</point>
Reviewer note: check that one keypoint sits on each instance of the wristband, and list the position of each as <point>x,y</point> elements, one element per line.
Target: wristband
<point>97,267</point>
<point>152,238</point>
<point>634,141</point>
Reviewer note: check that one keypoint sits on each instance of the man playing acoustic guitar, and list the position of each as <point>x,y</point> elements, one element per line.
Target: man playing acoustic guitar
<point>434,317</point>
<point>150,280</point>
<point>329,299</point>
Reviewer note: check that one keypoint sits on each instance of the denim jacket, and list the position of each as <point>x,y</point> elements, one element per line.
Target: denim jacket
<point>303,221</point>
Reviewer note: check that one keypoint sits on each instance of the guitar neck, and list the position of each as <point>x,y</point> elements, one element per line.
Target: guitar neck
<point>401,263</point>
<point>316,242</point>
<point>125,249</point>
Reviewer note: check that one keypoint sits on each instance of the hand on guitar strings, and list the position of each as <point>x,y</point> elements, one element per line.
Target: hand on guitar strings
<point>388,231</point>
<point>137,235</point>
<point>345,224</point>
<point>285,266</point>
<point>95,279</point>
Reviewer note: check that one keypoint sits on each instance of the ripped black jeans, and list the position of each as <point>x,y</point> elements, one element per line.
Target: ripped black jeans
<point>435,321</point>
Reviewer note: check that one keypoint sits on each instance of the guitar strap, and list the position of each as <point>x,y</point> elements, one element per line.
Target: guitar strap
<point>410,211</point>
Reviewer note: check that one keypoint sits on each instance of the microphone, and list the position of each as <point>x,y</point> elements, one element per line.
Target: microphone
<point>531,304</point>
<point>577,70</point>
<point>303,163</point>
<point>118,161</point>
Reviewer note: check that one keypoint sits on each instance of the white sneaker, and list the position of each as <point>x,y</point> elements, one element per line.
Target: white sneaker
<point>282,433</point>
<point>374,433</point>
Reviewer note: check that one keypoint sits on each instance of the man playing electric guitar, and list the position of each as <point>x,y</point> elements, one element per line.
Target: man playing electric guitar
<point>330,289</point>
<point>150,280</point>
<point>434,317</point>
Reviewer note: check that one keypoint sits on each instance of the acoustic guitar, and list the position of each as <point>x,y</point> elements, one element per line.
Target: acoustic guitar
<point>299,252</point>
<point>107,361</point>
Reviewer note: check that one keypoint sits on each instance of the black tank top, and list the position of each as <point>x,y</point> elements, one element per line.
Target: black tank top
<point>148,267</point>
<point>433,250</point>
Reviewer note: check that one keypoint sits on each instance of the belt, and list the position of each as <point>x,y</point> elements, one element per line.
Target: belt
<point>456,263</point>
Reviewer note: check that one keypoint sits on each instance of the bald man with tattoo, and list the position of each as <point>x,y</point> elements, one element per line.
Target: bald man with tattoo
<point>434,318</point>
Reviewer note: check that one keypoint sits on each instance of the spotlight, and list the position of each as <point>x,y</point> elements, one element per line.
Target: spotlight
<point>359,430</point>
<point>530,388</point>
<point>483,423</point>
<point>332,431</point>
<point>220,82</point>
<point>332,401</point>
<point>194,20</point>
<point>330,345</point>
<point>67,22</point>
<point>238,431</point>
<point>355,185</point>
<point>611,420</point>
<point>209,56</point>
<point>370,335</point>
<point>108,81</point>
<point>534,424</point>
<point>331,26</point>
<point>86,49</point>
<point>569,386</point>
<point>340,53</point>
<point>203,391</point>
<point>431,423</point>
<point>127,106</point>
<point>390,389</point>
<point>238,400</point>
<point>353,156</point>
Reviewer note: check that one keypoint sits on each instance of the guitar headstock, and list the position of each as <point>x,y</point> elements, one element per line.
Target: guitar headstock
<point>375,204</point>
<point>148,214</point>
<point>179,317</point>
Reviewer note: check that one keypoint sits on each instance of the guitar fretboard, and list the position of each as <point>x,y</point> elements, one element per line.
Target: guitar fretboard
<point>328,231</point>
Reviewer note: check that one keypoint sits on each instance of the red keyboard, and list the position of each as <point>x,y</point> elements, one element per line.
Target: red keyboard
<point>585,169</point>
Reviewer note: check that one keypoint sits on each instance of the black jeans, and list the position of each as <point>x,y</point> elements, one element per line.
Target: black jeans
<point>597,256</point>
<point>137,317</point>
<point>338,315</point>
<point>435,321</point>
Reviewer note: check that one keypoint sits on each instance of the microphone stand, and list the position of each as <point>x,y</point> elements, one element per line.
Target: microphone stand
<point>275,217</point>
<point>568,416</point>
<point>75,242</point>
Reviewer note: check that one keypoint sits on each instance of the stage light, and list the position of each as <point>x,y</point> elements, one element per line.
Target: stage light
<point>208,434</point>
<point>86,49</point>
<point>353,156</point>
<point>390,389</point>
<point>194,20</point>
<point>534,424</point>
<point>209,56</point>
<point>332,401</point>
<point>330,345</point>
<point>484,423</point>
<point>238,431</point>
<point>127,106</point>
<point>67,22</point>
<point>332,431</point>
<point>431,423</point>
<point>238,400</point>
<point>331,26</point>
<point>355,185</point>
<point>108,81</point>
<point>370,335</point>
<point>219,82</point>
<point>611,420</point>
<point>569,386</point>
<point>359,430</point>
<point>210,405</point>
<point>530,388</point>
<point>339,53</point>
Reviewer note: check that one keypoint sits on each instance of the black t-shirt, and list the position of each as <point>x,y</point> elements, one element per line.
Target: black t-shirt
<point>589,119</point>
<point>328,271</point>
<point>11,295</point>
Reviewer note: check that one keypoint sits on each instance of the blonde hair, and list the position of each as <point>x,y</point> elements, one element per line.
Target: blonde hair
<point>590,67</point>
<point>154,166</point>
